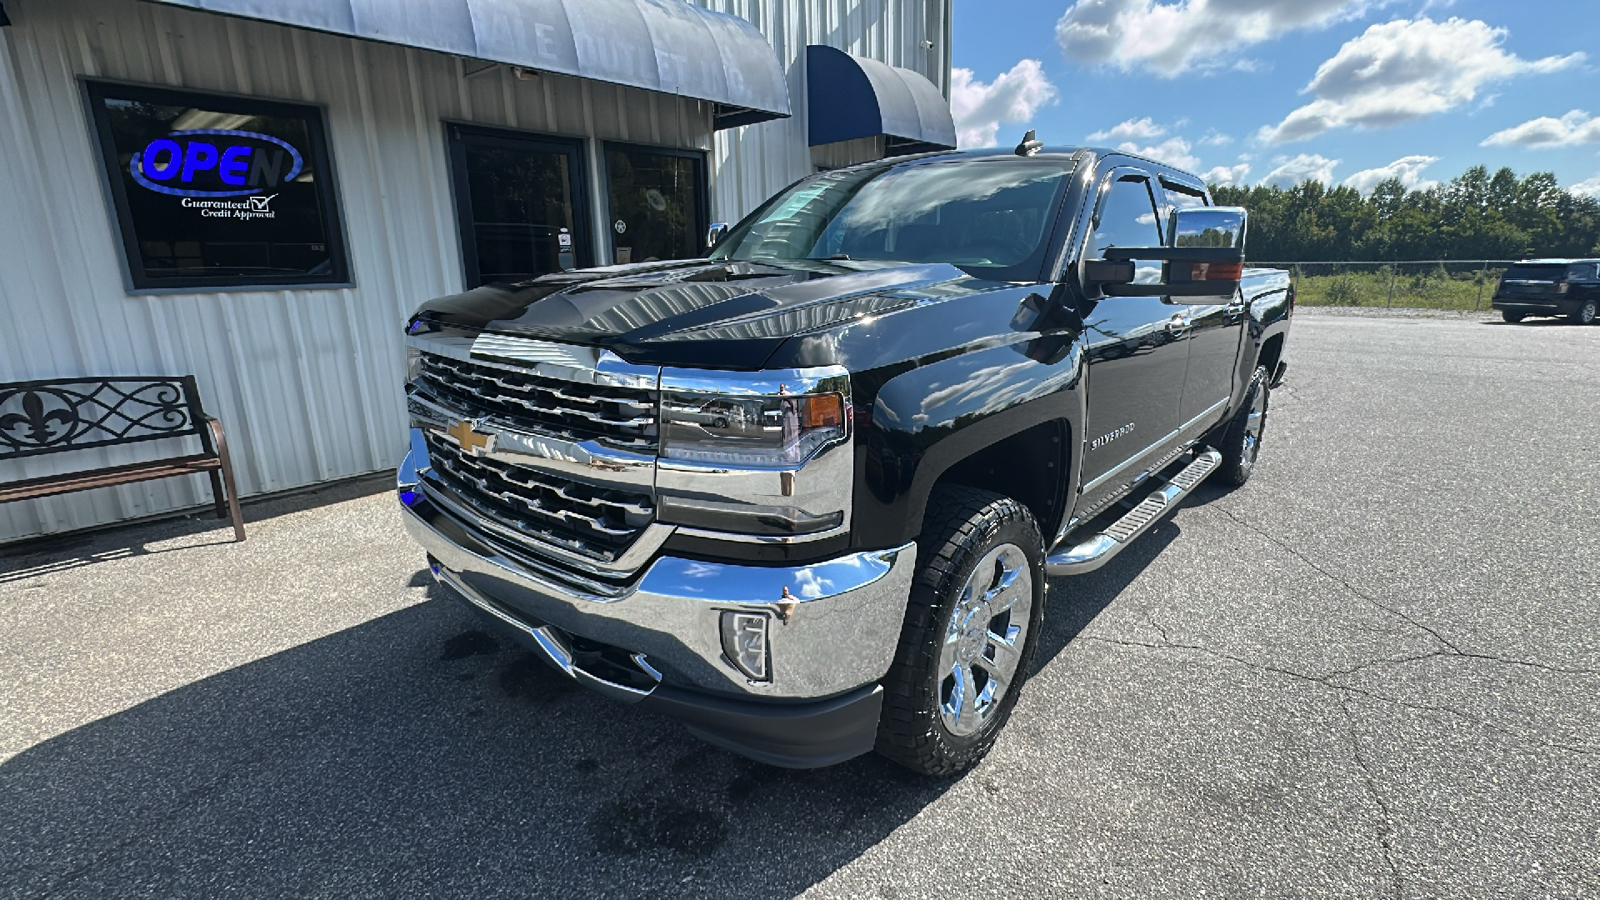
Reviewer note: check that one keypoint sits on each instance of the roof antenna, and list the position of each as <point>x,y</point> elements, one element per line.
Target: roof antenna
<point>1030,144</point>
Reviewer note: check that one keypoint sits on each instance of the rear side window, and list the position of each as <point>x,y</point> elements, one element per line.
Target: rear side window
<point>1581,272</point>
<point>1536,273</point>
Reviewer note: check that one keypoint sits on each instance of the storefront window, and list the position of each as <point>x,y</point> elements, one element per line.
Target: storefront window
<point>519,198</point>
<point>218,191</point>
<point>658,208</point>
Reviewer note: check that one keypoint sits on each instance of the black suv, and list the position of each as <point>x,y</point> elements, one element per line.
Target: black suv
<point>1550,287</point>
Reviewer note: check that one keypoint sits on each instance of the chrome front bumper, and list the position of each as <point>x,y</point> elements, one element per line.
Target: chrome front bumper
<point>833,625</point>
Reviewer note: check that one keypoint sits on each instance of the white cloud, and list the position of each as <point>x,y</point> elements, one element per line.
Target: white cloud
<point>1215,138</point>
<point>1403,70</point>
<point>1169,38</point>
<point>1304,167</point>
<point>1228,176</point>
<point>1407,168</point>
<point>1576,127</point>
<point>1587,188</point>
<point>1013,97</point>
<point>1131,130</point>
<point>1173,151</point>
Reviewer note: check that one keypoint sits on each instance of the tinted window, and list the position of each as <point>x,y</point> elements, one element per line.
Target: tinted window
<point>993,217</point>
<point>1536,273</point>
<point>218,191</point>
<point>520,205</point>
<point>1127,218</point>
<point>656,204</point>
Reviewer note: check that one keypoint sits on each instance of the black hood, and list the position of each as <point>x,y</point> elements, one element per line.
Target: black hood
<point>724,314</point>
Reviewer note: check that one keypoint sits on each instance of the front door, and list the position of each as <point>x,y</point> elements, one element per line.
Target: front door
<point>1137,352</point>
<point>519,199</point>
<point>658,203</point>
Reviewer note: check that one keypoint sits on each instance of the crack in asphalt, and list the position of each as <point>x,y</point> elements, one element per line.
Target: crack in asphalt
<point>1295,552</point>
<point>1328,681</point>
<point>1451,647</point>
<point>1386,828</point>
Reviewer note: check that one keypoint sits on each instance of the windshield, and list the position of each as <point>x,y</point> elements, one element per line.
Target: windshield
<point>990,216</point>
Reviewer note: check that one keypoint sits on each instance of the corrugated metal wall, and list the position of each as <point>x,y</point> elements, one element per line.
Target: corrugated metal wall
<point>756,161</point>
<point>307,381</point>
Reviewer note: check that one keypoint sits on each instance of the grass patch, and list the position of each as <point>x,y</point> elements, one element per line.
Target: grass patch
<point>1419,287</point>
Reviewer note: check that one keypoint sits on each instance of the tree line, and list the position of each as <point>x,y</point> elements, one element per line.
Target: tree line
<point>1475,215</point>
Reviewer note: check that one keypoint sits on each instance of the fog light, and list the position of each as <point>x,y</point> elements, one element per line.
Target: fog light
<point>744,642</point>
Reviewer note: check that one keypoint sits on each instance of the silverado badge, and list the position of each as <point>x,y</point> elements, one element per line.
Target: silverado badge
<point>465,434</point>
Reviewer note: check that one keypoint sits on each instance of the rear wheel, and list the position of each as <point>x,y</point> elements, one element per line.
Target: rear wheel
<point>1511,318</point>
<point>1241,442</point>
<point>968,638</point>
<point>1586,313</point>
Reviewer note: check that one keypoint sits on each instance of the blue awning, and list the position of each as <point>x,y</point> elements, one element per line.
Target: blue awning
<point>660,45</point>
<point>849,97</point>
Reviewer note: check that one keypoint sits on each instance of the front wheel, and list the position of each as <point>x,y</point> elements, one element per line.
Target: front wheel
<point>1585,314</point>
<point>969,633</point>
<point>1510,317</point>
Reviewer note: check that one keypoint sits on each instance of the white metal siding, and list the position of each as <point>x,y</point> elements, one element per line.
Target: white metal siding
<point>756,161</point>
<point>307,381</point>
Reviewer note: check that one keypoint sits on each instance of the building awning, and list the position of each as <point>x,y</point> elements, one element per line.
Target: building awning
<point>850,97</point>
<point>659,45</point>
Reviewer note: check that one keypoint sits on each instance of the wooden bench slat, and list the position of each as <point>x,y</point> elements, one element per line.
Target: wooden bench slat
<point>107,477</point>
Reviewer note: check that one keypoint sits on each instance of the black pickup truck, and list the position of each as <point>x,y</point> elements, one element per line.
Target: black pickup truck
<point>804,494</point>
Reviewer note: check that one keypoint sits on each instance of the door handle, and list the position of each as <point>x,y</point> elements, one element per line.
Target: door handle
<point>1178,324</point>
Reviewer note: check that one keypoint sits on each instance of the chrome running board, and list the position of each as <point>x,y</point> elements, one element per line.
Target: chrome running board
<point>1101,548</point>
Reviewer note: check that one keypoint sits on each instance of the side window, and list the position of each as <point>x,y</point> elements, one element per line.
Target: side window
<point>1127,218</point>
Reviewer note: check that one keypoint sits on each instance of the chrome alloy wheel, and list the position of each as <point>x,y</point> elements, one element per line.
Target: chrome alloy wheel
<point>988,629</point>
<point>1254,422</point>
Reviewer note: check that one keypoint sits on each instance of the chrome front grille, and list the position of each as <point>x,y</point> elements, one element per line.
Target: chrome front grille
<point>594,521</point>
<point>618,416</point>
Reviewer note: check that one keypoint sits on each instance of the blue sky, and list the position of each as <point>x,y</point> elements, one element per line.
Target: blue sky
<point>1247,91</point>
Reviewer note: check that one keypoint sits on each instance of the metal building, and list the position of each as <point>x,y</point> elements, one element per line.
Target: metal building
<point>258,192</point>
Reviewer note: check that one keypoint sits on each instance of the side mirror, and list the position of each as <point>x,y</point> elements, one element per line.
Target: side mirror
<point>715,234</point>
<point>1205,257</point>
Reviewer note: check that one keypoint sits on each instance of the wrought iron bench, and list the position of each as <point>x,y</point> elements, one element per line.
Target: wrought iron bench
<point>39,417</point>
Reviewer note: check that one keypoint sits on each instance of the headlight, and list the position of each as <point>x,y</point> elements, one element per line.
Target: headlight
<point>750,431</point>
<point>759,456</point>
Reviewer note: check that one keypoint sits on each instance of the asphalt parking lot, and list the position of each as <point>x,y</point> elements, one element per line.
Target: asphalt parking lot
<point>1372,672</point>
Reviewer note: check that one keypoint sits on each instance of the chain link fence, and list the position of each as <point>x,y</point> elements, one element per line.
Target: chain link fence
<point>1463,284</point>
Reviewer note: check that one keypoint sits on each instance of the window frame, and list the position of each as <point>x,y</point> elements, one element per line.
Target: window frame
<point>1100,193</point>
<point>702,199</point>
<point>456,135</point>
<point>138,281</point>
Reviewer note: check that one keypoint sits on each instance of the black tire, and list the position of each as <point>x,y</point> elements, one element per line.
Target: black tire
<point>1586,313</point>
<point>963,527</point>
<point>1241,440</point>
<point>1511,318</point>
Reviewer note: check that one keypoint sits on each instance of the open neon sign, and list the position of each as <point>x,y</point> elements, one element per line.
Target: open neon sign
<point>197,164</point>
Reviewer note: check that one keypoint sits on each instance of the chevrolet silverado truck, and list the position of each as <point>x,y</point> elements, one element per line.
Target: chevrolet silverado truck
<point>1550,287</point>
<point>804,494</point>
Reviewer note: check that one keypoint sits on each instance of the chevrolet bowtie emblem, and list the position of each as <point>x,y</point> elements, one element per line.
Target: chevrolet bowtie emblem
<point>464,434</point>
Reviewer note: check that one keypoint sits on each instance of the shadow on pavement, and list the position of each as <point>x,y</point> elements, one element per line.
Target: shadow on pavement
<point>416,754</point>
<point>169,533</point>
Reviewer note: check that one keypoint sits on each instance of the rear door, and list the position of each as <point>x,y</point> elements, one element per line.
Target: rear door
<point>1216,331</point>
<point>1137,351</point>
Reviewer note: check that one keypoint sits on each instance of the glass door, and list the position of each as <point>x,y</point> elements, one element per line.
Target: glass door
<point>520,203</point>
<point>658,203</point>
